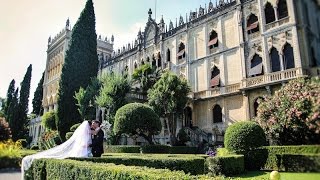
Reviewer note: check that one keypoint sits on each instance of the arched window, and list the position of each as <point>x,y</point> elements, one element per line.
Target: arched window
<point>188,117</point>
<point>275,60</point>
<point>213,40</point>
<point>217,114</point>
<point>168,55</point>
<point>256,105</point>
<point>159,60</point>
<point>215,77</point>
<point>142,62</point>
<point>269,13</point>
<point>256,66</point>
<point>288,57</point>
<point>252,24</point>
<point>181,53</point>
<point>282,9</point>
<point>148,59</point>
<point>135,65</point>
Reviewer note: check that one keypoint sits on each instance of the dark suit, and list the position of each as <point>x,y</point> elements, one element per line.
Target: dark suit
<point>97,144</point>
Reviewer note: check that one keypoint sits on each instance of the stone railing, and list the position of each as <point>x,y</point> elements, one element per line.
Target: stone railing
<point>197,135</point>
<point>234,88</point>
<point>272,77</point>
<point>35,129</point>
<point>277,23</point>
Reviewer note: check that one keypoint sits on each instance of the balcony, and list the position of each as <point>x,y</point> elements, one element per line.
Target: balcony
<point>277,23</point>
<point>230,89</point>
<point>272,78</point>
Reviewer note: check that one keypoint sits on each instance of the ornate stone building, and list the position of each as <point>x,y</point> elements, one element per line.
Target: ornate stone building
<point>57,48</point>
<point>232,53</point>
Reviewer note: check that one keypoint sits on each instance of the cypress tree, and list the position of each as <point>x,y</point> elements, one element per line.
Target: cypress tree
<point>81,63</point>
<point>8,101</point>
<point>23,105</point>
<point>37,98</point>
<point>13,115</point>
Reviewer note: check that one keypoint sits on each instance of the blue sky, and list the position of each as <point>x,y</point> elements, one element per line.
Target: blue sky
<point>25,27</point>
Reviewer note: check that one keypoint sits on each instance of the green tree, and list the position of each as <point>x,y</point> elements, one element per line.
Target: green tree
<point>81,64</point>
<point>8,101</point>
<point>37,98</point>
<point>146,76</point>
<point>112,94</point>
<point>22,126</point>
<point>292,115</point>
<point>137,119</point>
<point>86,99</point>
<point>168,98</point>
<point>13,115</point>
<point>48,120</point>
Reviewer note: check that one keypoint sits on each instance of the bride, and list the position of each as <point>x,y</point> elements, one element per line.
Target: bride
<point>76,146</point>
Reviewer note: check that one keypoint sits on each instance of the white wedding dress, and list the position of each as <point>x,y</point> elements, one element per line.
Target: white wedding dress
<point>75,146</point>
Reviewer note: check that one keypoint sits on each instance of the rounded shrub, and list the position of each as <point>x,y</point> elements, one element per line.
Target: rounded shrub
<point>241,137</point>
<point>49,120</point>
<point>68,135</point>
<point>74,127</point>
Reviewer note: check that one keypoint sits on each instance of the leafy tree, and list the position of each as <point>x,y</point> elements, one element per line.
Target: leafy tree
<point>292,115</point>
<point>113,93</point>
<point>81,64</point>
<point>137,119</point>
<point>10,94</point>
<point>146,76</point>
<point>86,99</point>
<point>48,120</point>
<point>5,132</point>
<point>22,126</point>
<point>37,98</point>
<point>168,98</point>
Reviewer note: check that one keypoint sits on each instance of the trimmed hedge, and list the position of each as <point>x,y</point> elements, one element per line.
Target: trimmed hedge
<point>162,149</point>
<point>225,165</point>
<point>299,162</point>
<point>122,149</point>
<point>14,161</point>
<point>10,162</point>
<point>193,165</point>
<point>70,169</point>
<point>183,150</point>
<point>266,157</point>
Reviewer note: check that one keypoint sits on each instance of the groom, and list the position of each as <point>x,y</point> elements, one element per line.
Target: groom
<point>97,140</point>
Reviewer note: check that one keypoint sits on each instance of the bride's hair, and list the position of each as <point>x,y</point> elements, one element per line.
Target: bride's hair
<point>97,121</point>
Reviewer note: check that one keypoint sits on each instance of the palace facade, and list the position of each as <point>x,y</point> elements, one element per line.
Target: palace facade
<point>232,53</point>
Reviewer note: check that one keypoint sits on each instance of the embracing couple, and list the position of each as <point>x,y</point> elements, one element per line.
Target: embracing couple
<point>86,139</point>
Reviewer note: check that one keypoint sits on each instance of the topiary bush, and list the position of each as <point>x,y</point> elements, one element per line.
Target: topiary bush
<point>48,120</point>
<point>5,132</point>
<point>241,137</point>
<point>74,127</point>
<point>137,119</point>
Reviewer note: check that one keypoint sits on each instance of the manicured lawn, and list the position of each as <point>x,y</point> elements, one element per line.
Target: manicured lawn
<point>284,175</point>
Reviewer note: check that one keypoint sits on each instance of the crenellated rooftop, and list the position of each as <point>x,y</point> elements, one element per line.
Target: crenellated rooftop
<point>164,30</point>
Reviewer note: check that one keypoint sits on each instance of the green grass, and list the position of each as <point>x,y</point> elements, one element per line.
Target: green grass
<point>264,175</point>
<point>155,155</point>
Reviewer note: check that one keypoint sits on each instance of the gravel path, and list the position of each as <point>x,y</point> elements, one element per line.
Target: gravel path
<point>10,174</point>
